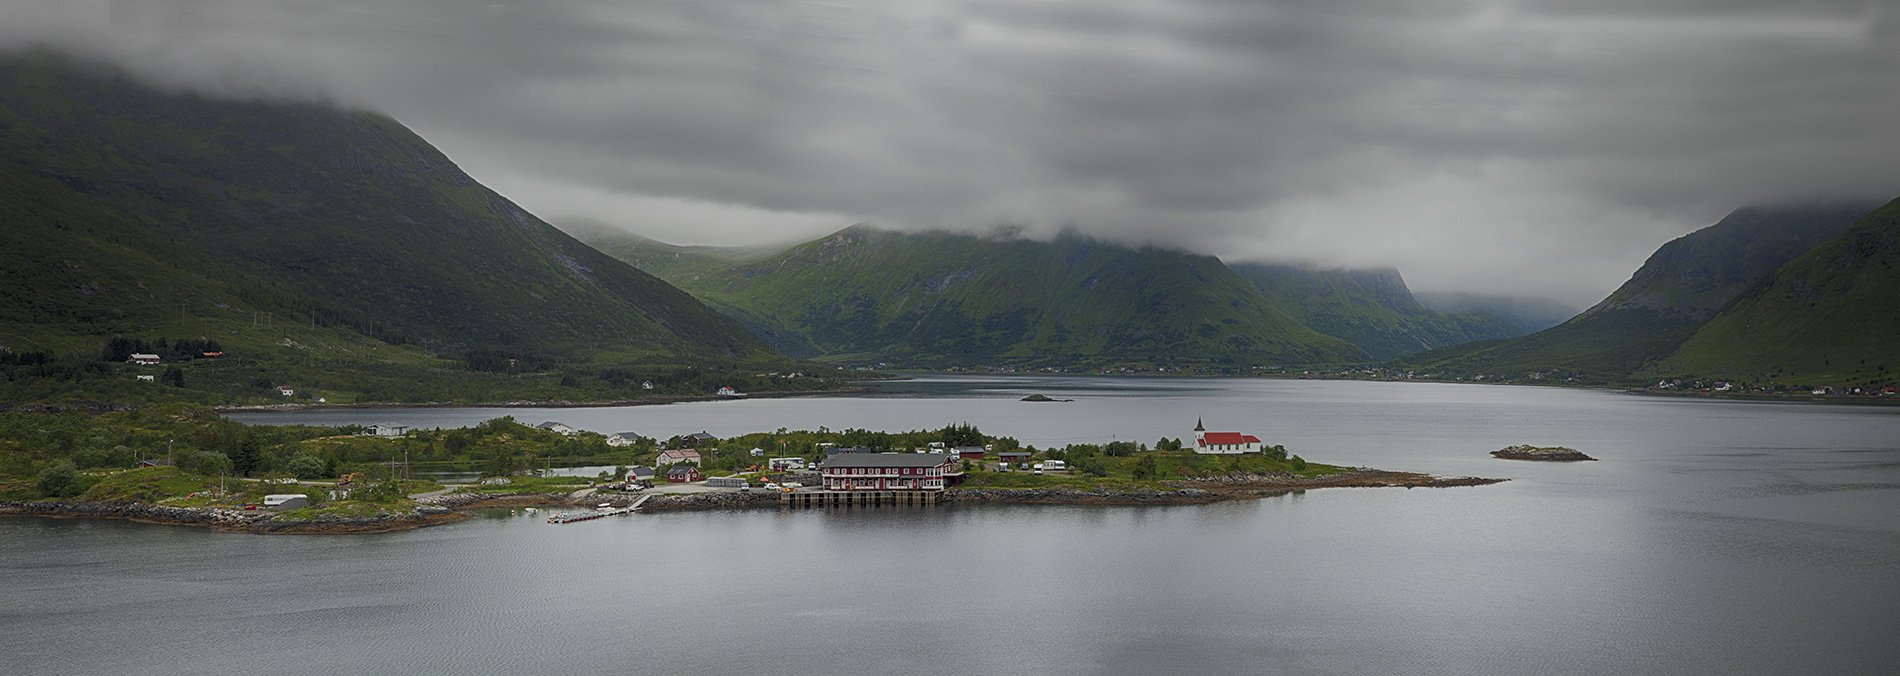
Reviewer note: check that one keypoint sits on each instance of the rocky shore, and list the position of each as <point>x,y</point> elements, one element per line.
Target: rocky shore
<point>441,509</point>
<point>1542,453</point>
<point>234,520</point>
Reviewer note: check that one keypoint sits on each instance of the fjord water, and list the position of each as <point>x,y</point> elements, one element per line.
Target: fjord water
<point>1712,537</point>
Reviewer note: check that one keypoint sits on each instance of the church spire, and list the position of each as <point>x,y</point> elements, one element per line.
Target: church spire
<point>1198,427</point>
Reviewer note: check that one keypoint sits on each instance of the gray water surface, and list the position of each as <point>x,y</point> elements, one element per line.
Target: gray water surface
<point>1713,537</point>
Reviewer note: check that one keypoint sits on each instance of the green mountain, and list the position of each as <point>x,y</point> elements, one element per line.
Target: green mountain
<point>1830,316</point>
<point>1685,283</point>
<point>1524,314</point>
<point>297,231</point>
<point>938,299</point>
<point>1372,309</point>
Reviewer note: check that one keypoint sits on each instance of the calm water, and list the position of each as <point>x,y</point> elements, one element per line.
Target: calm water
<point>1714,537</point>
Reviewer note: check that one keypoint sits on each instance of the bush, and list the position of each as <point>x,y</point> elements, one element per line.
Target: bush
<point>307,467</point>
<point>59,480</point>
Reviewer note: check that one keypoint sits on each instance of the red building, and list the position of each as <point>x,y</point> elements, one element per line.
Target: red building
<point>891,471</point>
<point>683,473</point>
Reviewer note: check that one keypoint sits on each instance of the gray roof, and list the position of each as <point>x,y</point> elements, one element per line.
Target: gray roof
<point>1015,453</point>
<point>886,460</point>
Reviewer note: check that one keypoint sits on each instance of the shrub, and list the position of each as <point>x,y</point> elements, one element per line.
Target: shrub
<point>59,480</point>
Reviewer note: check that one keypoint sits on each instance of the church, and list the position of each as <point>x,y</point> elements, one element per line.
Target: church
<point>1223,443</point>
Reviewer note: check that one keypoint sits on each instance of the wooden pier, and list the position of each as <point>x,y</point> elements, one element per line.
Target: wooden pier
<point>576,517</point>
<point>824,498</point>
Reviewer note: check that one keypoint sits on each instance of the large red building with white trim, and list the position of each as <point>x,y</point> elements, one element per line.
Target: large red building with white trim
<point>890,471</point>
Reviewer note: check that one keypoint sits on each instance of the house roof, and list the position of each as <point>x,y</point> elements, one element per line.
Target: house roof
<point>628,435</point>
<point>1015,454</point>
<point>640,470</point>
<point>1230,438</point>
<point>681,469</point>
<point>969,449</point>
<point>550,425</point>
<point>678,453</point>
<point>702,435</point>
<point>886,460</point>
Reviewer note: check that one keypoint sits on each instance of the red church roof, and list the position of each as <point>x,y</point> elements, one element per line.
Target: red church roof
<point>1228,438</point>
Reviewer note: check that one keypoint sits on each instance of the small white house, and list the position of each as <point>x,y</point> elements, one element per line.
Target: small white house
<point>758,452</point>
<point>646,384</point>
<point>142,359</point>
<point>385,430</point>
<point>147,379</point>
<point>786,464</point>
<point>675,457</point>
<point>555,427</point>
<point>286,390</point>
<point>622,439</point>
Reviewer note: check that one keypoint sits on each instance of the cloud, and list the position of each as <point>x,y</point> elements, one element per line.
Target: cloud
<point>1467,142</point>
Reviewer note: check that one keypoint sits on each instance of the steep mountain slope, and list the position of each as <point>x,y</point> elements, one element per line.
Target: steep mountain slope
<point>939,299</point>
<point>1831,316</point>
<point>132,205</point>
<point>1524,314</point>
<point>1372,309</point>
<point>1682,285</point>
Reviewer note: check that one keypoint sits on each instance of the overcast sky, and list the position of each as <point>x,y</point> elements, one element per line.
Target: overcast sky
<point>1540,147</point>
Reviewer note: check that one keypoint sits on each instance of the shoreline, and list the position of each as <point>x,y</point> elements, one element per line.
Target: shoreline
<point>453,508</point>
<point>651,401</point>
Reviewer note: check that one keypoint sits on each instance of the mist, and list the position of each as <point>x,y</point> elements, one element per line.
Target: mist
<point>1531,147</point>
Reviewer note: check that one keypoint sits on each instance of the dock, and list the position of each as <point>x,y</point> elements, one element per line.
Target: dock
<point>825,498</point>
<point>576,517</point>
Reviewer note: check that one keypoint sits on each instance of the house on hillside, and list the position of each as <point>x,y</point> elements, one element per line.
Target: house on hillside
<point>971,452</point>
<point>147,378</point>
<point>891,471</point>
<point>385,430</point>
<point>639,473</point>
<point>729,393</point>
<point>1013,456</point>
<point>556,427</point>
<point>683,473</point>
<point>786,464</point>
<point>623,439</point>
<point>1223,443</point>
<point>287,390</point>
<point>213,354</point>
<point>696,439</point>
<point>678,456</point>
<point>142,359</point>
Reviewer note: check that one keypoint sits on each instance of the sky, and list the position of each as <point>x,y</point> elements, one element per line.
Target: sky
<point>1539,147</point>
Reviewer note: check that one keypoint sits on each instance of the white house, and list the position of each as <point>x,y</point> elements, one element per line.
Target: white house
<point>758,452</point>
<point>786,464</point>
<point>622,439</point>
<point>142,359</point>
<point>675,457</point>
<point>1223,443</point>
<point>147,379</point>
<point>555,427</point>
<point>287,390</point>
<point>385,430</point>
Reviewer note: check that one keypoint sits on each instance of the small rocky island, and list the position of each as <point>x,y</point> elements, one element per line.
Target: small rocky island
<point>1544,453</point>
<point>1042,397</point>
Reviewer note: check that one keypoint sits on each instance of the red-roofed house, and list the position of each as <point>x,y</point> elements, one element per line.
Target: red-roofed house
<point>1223,443</point>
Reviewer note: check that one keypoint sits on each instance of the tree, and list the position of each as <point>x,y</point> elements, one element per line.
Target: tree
<point>173,376</point>
<point>1145,467</point>
<point>59,480</point>
<point>307,467</point>
<point>960,434</point>
<point>245,458</point>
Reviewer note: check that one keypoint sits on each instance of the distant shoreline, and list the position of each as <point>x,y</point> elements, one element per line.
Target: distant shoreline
<point>454,507</point>
<point>650,401</point>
